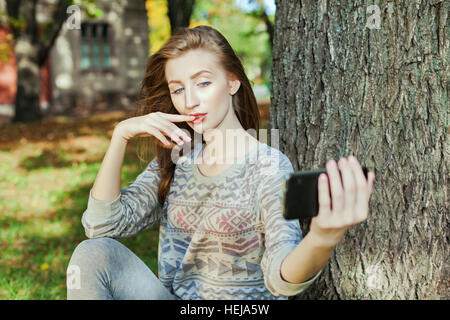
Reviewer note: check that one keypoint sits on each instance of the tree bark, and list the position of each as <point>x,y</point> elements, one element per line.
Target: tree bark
<point>340,87</point>
<point>179,13</point>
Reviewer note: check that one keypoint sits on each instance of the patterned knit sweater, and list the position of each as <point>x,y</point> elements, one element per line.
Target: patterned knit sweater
<point>220,237</point>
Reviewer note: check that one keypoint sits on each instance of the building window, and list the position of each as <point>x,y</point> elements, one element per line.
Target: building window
<point>96,40</point>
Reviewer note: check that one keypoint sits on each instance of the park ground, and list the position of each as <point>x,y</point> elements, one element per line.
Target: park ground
<point>46,171</point>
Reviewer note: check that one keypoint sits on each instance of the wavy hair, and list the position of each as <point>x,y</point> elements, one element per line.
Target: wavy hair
<point>154,94</point>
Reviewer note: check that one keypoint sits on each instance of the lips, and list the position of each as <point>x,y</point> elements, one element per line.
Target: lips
<point>197,114</point>
<point>199,117</point>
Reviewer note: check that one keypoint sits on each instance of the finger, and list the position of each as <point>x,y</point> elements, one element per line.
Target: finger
<point>176,117</point>
<point>337,192</point>
<point>324,196</point>
<point>362,198</point>
<point>176,131</point>
<point>180,132</point>
<point>168,130</point>
<point>157,134</point>
<point>358,172</point>
<point>349,184</point>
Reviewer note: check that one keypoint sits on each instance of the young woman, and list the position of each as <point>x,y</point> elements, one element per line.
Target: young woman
<point>222,234</point>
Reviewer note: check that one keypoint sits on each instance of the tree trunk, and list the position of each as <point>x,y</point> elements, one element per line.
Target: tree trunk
<point>26,51</point>
<point>31,52</point>
<point>340,87</point>
<point>28,82</point>
<point>179,13</point>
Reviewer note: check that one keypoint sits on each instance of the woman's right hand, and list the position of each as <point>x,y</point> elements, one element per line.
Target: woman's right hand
<point>157,124</point>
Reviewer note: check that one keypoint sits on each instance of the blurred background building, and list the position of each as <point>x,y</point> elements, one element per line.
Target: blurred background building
<point>98,65</point>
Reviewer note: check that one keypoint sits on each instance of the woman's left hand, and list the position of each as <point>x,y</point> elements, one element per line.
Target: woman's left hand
<point>349,203</point>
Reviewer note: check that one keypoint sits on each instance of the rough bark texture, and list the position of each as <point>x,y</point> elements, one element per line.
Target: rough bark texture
<point>341,88</point>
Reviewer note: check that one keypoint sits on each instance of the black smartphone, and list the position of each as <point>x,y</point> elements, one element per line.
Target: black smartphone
<point>300,194</point>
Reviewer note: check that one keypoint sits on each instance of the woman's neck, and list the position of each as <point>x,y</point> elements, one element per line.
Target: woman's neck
<point>227,142</point>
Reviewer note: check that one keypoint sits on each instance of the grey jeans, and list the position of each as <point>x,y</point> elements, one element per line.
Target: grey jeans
<point>105,269</point>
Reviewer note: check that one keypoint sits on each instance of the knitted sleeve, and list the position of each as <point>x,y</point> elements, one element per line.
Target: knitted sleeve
<point>281,235</point>
<point>134,209</point>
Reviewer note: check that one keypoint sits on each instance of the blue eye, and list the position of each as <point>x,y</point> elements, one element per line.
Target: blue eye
<point>207,82</point>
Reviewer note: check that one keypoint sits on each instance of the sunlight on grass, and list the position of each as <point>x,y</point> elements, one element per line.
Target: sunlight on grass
<point>44,188</point>
<point>46,172</point>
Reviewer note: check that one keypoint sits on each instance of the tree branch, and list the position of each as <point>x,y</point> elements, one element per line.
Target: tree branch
<point>59,16</point>
<point>265,18</point>
<point>269,27</point>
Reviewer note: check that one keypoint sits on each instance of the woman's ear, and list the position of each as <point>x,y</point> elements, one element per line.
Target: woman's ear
<point>233,84</point>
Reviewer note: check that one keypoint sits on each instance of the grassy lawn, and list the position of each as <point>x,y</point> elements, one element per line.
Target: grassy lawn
<point>46,171</point>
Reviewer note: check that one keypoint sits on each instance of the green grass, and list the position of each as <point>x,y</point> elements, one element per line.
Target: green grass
<point>46,172</point>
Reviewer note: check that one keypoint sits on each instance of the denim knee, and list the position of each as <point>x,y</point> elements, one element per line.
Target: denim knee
<point>87,274</point>
<point>92,252</point>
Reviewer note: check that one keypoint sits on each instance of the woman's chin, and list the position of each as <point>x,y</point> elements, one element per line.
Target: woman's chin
<point>198,127</point>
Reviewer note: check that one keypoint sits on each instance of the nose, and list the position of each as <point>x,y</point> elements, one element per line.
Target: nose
<point>191,98</point>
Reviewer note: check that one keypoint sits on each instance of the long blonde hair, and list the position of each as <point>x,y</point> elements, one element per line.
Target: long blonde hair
<point>154,94</point>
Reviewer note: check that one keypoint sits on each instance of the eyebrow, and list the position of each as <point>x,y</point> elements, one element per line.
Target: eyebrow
<point>192,77</point>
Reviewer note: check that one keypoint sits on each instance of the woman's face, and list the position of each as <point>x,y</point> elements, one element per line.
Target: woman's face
<point>197,84</point>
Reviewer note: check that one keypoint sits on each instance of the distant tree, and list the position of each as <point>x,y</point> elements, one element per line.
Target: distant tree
<point>261,13</point>
<point>32,44</point>
<point>179,12</point>
<point>245,31</point>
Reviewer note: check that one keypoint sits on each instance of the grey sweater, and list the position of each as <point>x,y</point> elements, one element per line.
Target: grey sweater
<point>220,237</point>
